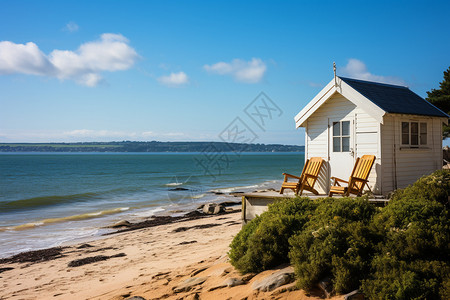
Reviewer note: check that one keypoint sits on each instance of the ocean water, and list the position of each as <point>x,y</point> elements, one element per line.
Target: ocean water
<point>47,199</point>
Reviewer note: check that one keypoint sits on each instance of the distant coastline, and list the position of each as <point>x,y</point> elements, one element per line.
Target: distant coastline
<point>153,146</point>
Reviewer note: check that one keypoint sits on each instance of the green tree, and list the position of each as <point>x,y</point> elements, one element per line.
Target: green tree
<point>441,99</point>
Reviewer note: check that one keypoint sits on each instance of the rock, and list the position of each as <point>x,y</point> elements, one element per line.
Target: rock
<point>277,279</point>
<point>179,189</point>
<point>135,298</point>
<point>188,284</point>
<point>212,208</point>
<point>230,282</point>
<point>326,286</point>
<point>355,295</point>
<point>123,223</point>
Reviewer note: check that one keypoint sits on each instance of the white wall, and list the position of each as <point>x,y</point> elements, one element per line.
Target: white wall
<point>403,166</point>
<point>366,138</point>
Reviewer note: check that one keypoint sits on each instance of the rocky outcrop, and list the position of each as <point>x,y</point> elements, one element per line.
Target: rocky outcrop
<point>277,279</point>
<point>213,208</point>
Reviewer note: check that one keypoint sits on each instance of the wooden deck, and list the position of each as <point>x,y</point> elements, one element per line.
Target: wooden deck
<point>254,204</point>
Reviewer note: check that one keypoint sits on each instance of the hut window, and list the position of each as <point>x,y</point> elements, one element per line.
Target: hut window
<point>405,133</point>
<point>414,134</point>
<point>423,133</point>
<point>341,136</point>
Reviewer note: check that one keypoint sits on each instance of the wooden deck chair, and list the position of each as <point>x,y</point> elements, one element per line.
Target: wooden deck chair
<point>306,180</point>
<point>357,180</point>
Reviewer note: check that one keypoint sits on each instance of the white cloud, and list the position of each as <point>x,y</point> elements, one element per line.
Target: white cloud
<point>358,70</point>
<point>71,27</point>
<point>174,79</point>
<point>244,71</point>
<point>25,59</point>
<point>85,65</point>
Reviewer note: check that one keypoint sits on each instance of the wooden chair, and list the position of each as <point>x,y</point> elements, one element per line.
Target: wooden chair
<point>306,180</point>
<point>357,180</point>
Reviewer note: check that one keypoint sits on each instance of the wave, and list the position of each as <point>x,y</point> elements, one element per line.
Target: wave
<point>173,184</point>
<point>235,188</point>
<point>36,202</point>
<point>148,213</point>
<point>46,201</point>
<point>66,219</point>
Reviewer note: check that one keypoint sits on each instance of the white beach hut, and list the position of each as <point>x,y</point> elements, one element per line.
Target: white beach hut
<point>349,118</point>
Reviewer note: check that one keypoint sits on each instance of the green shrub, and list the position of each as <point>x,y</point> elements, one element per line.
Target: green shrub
<point>412,260</point>
<point>337,242</point>
<point>434,187</point>
<point>401,251</point>
<point>397,279</point>
<point>263,242</point>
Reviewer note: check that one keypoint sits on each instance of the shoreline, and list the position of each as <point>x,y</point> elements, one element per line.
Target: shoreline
<point>147,250</point>
<point>95,227</point>
<point>153,262</point>
<point>126,226</point>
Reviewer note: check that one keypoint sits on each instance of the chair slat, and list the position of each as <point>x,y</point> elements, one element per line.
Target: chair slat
<point>309,176</point>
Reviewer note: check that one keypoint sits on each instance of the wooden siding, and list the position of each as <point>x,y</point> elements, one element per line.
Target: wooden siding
<point>403,166</point>
<point>366,136</point>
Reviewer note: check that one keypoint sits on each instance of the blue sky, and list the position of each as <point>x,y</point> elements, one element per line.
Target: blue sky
<point>185,70</point>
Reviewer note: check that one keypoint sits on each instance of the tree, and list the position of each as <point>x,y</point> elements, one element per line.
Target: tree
<point>441,99</point>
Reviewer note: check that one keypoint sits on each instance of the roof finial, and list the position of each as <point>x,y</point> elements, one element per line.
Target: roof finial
<point>334,70</point>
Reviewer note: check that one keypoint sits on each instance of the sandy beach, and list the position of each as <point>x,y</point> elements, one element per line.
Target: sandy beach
<point>150,262</point>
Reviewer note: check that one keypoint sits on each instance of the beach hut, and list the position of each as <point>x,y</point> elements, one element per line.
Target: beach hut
<point>349,118</point>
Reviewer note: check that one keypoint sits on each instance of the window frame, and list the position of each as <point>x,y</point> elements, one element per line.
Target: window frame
<point>412,131</point>
<point>341,136</point>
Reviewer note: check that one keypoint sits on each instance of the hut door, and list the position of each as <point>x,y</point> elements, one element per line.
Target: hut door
<point>341,147</point>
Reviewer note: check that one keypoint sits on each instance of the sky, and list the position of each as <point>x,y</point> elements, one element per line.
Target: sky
<point>80,71</point>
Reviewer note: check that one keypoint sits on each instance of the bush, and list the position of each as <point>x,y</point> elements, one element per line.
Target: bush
<point>263,242</point>
<point>401,251</point>
<point>337,243</point>
<point>412,259</point>
<point>397,279</point>
<point>434,187</point>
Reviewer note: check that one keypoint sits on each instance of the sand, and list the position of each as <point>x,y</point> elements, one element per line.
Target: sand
<point>147,262</point>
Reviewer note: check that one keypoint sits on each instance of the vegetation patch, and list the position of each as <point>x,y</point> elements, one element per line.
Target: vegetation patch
<point>401,251</point>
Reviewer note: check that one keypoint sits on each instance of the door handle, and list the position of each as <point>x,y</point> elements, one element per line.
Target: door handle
<point>352,152</point>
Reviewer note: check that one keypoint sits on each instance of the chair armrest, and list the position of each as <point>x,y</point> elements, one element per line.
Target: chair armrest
<point>359,179</point>
<point>338,179</point>
<point>293,176</point>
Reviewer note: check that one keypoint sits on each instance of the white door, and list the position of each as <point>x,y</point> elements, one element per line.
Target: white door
<point>341,147</point>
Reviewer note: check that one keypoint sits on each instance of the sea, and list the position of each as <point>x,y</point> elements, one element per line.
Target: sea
<point>51,199</point>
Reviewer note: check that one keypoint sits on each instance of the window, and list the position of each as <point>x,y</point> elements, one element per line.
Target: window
<point>414,134</point>
<point>341,136</point>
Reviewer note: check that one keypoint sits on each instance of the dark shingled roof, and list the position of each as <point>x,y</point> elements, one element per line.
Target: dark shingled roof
<point>394,99</point>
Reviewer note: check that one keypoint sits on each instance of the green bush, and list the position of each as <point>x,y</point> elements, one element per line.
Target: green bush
<point>401,251</point>
<point>434,187</point>
<point>412,259</point>
<point>337,242</point>
<point>263,242</point>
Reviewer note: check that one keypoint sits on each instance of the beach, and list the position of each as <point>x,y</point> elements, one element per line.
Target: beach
<point>148,262</point>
